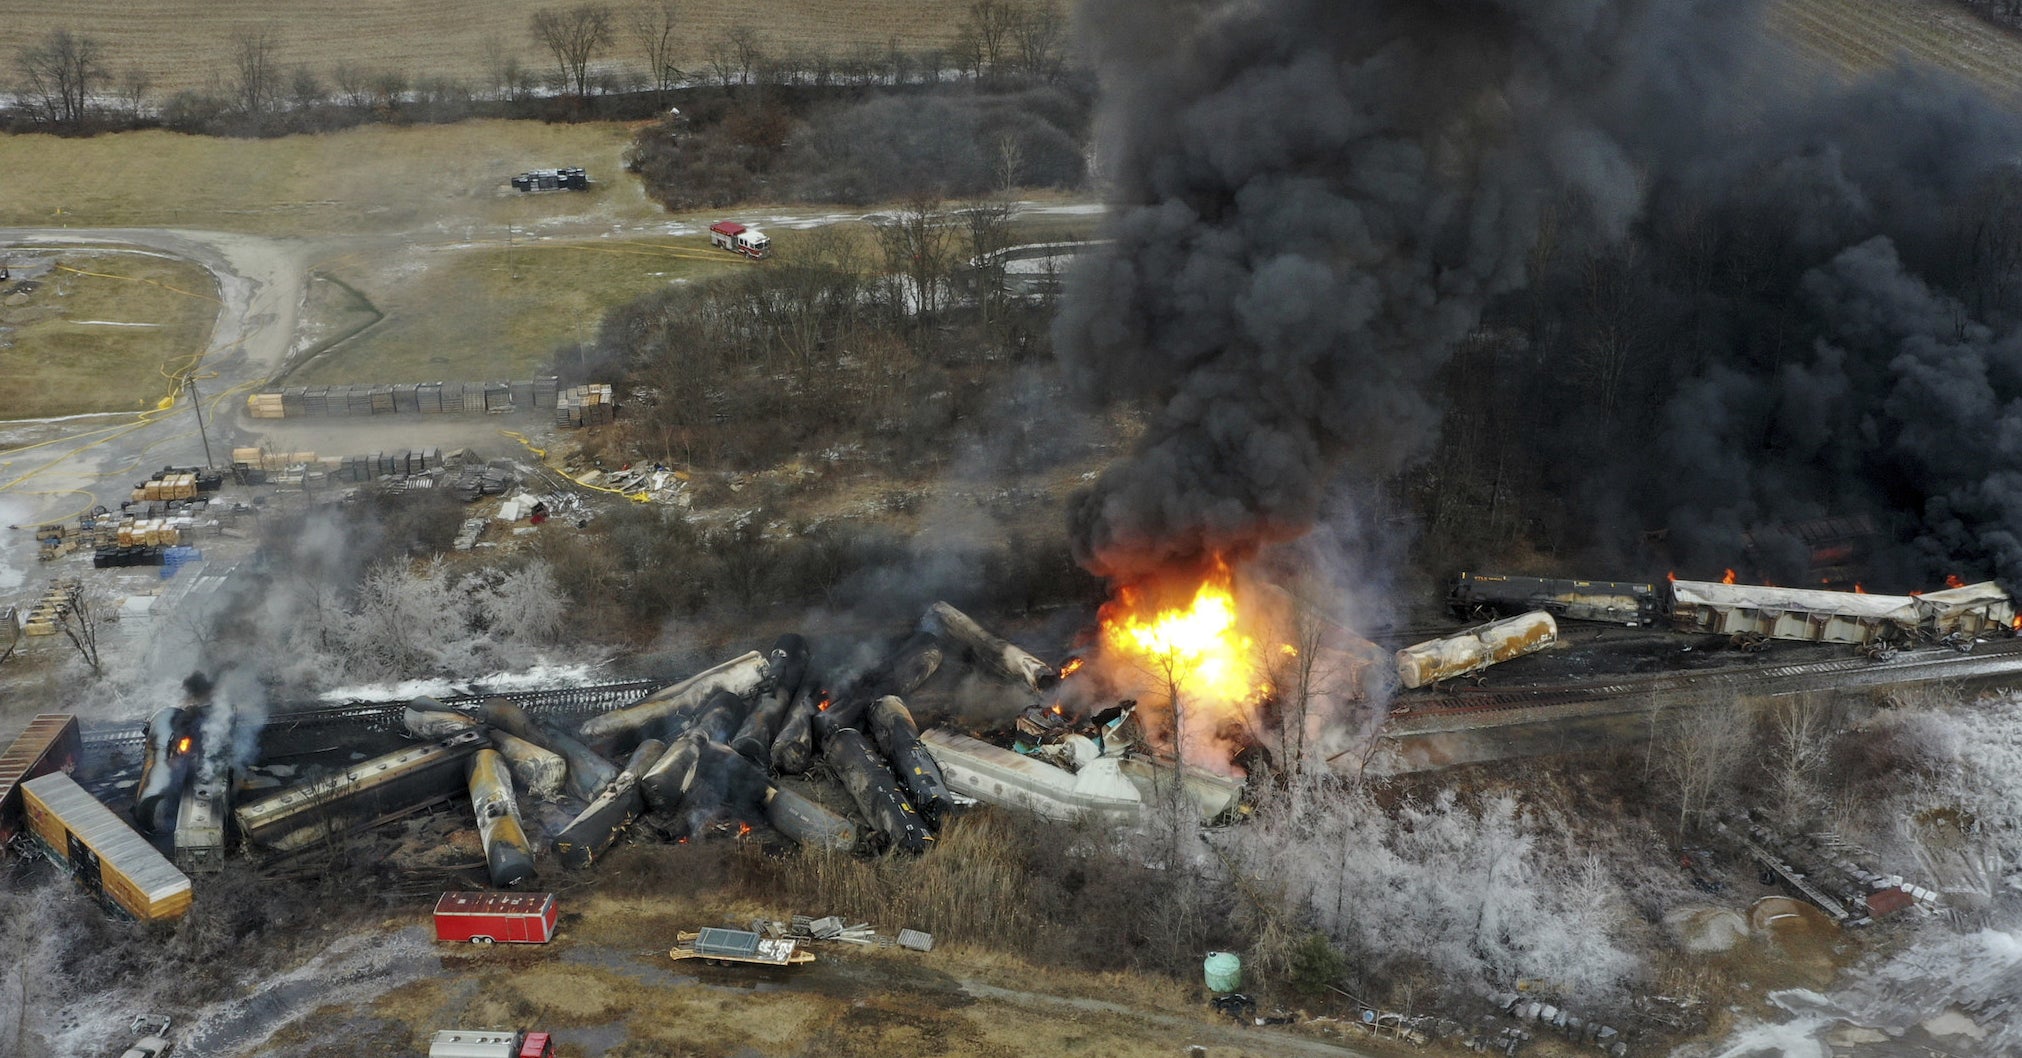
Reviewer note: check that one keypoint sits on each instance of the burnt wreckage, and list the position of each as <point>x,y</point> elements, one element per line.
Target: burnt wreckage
<point>763,739</point>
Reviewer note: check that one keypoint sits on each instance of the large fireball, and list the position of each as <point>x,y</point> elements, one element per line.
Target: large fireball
<point>1188,643</point>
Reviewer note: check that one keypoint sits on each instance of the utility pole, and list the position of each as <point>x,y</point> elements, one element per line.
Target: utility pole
<point>197,402</point>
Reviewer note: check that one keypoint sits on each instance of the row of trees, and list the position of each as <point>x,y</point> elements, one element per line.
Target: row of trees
<point>838,338</point>
<point>590,50</point>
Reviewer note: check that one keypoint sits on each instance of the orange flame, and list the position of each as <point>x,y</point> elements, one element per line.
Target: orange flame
<point>743,829</point>
<point>1195,646</point>
<point>1072,666</point>
<point>1727,577</point>
<point>1953,580</point>
<point>1858,590</point>
<point>1671,576</point>
<point>183,744</point>
<point>823,704</point>
<point>2015,623</point>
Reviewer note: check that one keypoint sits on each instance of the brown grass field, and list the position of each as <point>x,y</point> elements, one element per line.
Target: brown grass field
<point>1849,38</point>
<point>186,44</point>
<point>99,332</point>
<point>437,178</point>
<point>494,312</point>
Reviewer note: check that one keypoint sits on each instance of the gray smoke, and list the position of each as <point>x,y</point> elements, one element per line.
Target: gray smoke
<point>1317,200</point>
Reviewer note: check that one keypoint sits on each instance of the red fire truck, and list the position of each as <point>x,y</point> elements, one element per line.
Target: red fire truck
<point>735,237</point>
<point>485,918</point>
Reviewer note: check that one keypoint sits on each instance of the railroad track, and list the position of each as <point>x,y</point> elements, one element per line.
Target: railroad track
<point>1931,663</point>
<point>385,716</point>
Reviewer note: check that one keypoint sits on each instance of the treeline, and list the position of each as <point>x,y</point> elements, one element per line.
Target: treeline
<point>778,144</point>
<point>593,60</point>
<point>888,339</point>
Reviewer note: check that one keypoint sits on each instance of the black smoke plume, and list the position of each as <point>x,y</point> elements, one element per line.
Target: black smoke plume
<point>1714,297</point>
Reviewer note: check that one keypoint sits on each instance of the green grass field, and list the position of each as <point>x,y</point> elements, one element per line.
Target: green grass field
<point>462,314</point>
<point>99,332</point>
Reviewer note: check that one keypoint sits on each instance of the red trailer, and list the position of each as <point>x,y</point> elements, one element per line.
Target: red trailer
<point>484,918</point>
<point>50,743</point>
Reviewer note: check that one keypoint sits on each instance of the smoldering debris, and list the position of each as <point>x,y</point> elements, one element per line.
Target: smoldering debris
<point>863,767</point>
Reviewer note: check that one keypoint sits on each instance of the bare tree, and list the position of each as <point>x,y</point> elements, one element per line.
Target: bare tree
<point>574,37</point>
<point>745,51</point>
<point>991,25</point>
<point>1800,733</point>
<point>1700,756</point>
<point>305,89</point>
<point>256,80</point>
<point>1040,35</point>
<point>988,226</point>
<point>510,79</point>
<point>134,86</point>
<point>62,72</point>
<point>656,30</point>
<point>525,607</point>
<point>917,241</point>
<point>389,88</point>
<point>84,612</point>
<point>354,84</point>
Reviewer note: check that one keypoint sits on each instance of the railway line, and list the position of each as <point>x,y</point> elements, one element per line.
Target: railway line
<point>1461,709</point>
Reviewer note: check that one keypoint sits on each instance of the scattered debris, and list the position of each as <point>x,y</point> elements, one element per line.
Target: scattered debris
<point>565,179</point>
<point>722,947</point>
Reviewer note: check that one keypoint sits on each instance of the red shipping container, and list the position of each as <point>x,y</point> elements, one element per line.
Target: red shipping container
<point>507,918</point>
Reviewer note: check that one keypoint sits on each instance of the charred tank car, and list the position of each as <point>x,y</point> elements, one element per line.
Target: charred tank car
<point>170,755</point>
<point>1484,596</point>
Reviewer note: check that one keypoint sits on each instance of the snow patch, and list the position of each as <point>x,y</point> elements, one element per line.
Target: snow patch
<point>538,677</point>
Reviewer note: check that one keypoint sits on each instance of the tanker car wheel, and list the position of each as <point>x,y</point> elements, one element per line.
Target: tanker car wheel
<point>480,940</point>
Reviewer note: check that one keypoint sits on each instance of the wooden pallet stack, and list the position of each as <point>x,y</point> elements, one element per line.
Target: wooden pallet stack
<point>589,405</point>
<point>46,616</point>
<point>164,487</point>
<point>406,398</point>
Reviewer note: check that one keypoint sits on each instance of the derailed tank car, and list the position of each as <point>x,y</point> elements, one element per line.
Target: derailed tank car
<point>1468,652</point>
<point>360,795</point>
<point>112,861</point>
<point>1476,595</point>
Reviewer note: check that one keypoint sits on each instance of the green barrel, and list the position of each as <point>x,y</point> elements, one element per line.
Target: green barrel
<point>1224,971</point>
